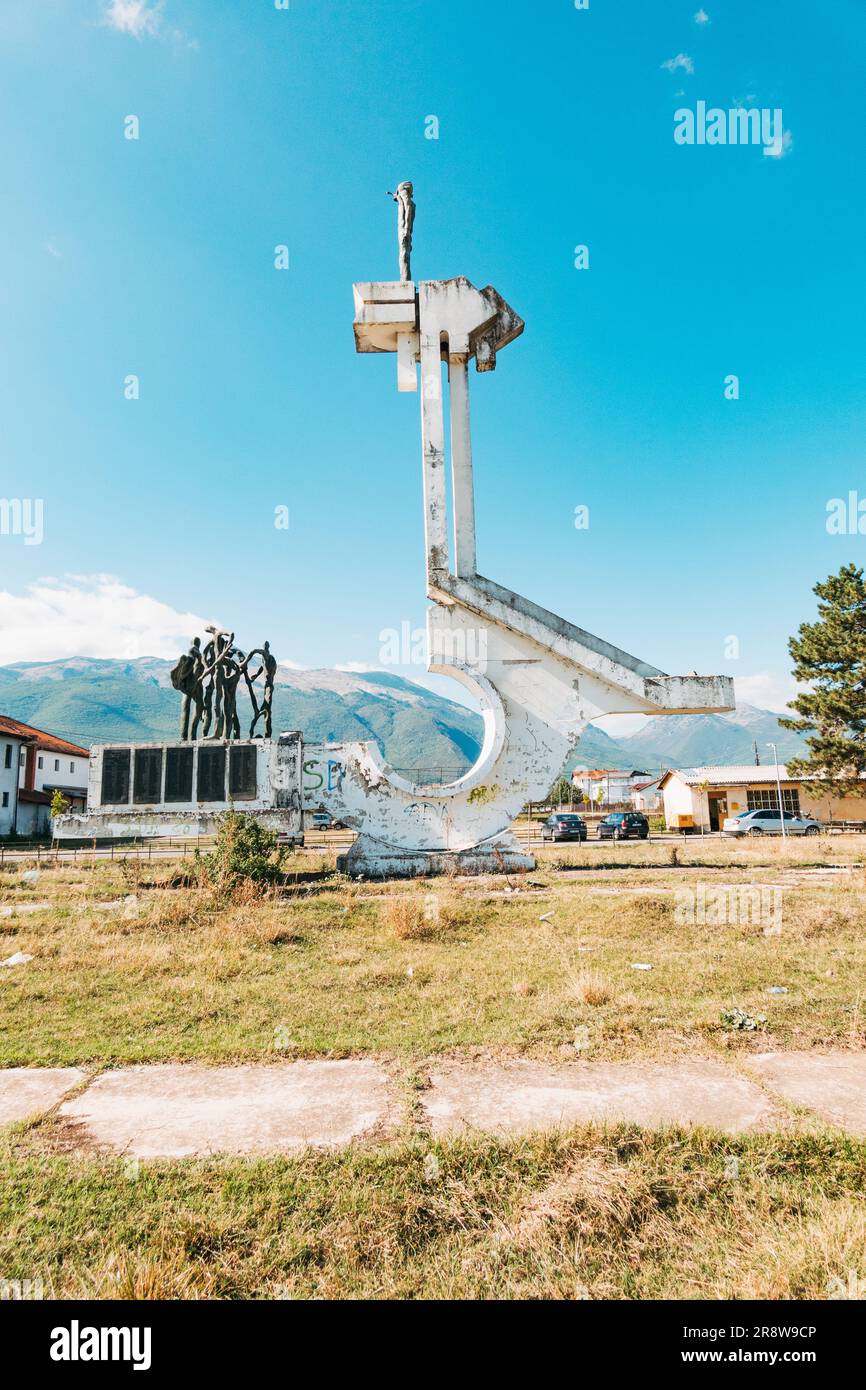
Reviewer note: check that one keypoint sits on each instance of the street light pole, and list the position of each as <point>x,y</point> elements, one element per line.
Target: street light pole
<point>779,790</point>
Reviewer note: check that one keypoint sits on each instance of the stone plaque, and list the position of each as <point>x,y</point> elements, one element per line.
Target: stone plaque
<point>242,771</point>
<point>147,776</point>
<point>115,776</point>
<point>178,774</point>
<point>211,774</point>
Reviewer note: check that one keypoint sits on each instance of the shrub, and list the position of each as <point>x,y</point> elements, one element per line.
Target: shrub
<point>245,852</point>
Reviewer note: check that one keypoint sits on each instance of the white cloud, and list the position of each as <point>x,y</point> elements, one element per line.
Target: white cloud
<point>90,615</point>
<point>682,60</point>
<point>135,17</point>
<point>702,17</point>
<point>53,251</point>
<point>784,147</point>
<point>766,690</point>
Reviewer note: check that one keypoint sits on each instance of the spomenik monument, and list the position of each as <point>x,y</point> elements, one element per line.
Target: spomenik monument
<point>537,678</point>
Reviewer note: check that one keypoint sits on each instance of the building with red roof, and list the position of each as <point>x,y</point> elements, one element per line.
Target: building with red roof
<point>34,764</point>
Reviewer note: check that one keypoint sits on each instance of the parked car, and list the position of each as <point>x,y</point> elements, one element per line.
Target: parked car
<point>768,822</point>
<point>623,825</point>
<point>563,825</point>
<point>323,820</point>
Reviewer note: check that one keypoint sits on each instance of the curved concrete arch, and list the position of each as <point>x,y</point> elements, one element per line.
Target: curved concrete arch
<point>538,679</point>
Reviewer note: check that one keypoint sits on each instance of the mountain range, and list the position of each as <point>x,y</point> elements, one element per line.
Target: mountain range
<point>89,700</point>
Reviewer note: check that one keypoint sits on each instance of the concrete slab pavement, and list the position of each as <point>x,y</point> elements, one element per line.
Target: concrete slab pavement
<point>26,1091</point>
<point>184,1110</point>
<point>518,1096</point>
<point>833,1084</point>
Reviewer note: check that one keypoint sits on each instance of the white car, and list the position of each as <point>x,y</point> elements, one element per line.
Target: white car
<point>768,822</point>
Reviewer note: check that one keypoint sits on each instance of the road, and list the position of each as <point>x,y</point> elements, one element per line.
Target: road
<point>317,841</point>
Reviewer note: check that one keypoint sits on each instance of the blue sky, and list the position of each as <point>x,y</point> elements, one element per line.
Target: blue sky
<point>260,127</point>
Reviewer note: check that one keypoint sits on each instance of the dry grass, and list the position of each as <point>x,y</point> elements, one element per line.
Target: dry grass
<point>593,1214</point>
<point>591,989</point>
<point>172,972</point>
<point>176,971</point>
<point>413,917</point>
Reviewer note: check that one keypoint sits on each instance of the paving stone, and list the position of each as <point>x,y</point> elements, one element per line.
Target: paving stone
<point>26,1091</point>
<point>179,1111</point>
<point>521,1095</point>
<point>831,1084</point>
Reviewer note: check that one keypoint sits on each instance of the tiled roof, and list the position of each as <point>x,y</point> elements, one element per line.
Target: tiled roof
<point>49,742</point>
<point>13,729</point>
<point>600,772</point>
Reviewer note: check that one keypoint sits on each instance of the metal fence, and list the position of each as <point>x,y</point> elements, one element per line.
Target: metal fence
<point>431,776</point>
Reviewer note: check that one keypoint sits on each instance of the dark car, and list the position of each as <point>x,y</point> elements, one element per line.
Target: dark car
<point>563,825</point>
<point>624,825</point>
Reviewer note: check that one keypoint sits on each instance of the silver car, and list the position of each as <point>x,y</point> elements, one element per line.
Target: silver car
<point>768,822</point>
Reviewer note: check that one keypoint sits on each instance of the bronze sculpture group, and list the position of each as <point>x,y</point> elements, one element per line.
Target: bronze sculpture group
<point>208,678</point>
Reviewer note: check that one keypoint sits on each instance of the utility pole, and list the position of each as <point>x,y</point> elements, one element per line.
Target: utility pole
<point>779,790</point>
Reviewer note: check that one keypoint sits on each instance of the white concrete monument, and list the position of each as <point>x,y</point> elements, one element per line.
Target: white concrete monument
<point>538,679</point>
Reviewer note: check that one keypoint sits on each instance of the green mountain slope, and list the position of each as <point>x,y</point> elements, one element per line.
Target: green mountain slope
<point>102,701</point>
<point>92,701</point>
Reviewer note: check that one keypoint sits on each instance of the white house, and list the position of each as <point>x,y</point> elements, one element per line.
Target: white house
<point>36,764</point>
<point>646,796</point>
<point>53,764</point>
<point>12,741</point>
<point>608,786</point>
<point>702,797</point>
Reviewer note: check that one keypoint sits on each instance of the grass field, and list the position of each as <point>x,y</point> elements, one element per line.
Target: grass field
<point>336,968</point>
<point>131,963</point>
<point>594,1214</point>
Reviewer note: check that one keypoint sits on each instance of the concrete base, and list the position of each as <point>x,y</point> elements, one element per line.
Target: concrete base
<point>371,859</point>
<point>148,825</point>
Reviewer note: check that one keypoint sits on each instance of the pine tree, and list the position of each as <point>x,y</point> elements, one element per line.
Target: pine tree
<point>830,657</point>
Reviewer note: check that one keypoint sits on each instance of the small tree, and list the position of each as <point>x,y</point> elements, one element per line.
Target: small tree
<point>244,851</point>
<point>59,804</point>
<point>830,657</point>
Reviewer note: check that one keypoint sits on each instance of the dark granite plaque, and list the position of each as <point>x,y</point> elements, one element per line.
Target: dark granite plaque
<point>178,774</point>
<point>115,776</point>
<point>242,771</point>
<point>147,776</point>
<point>211,774</point>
